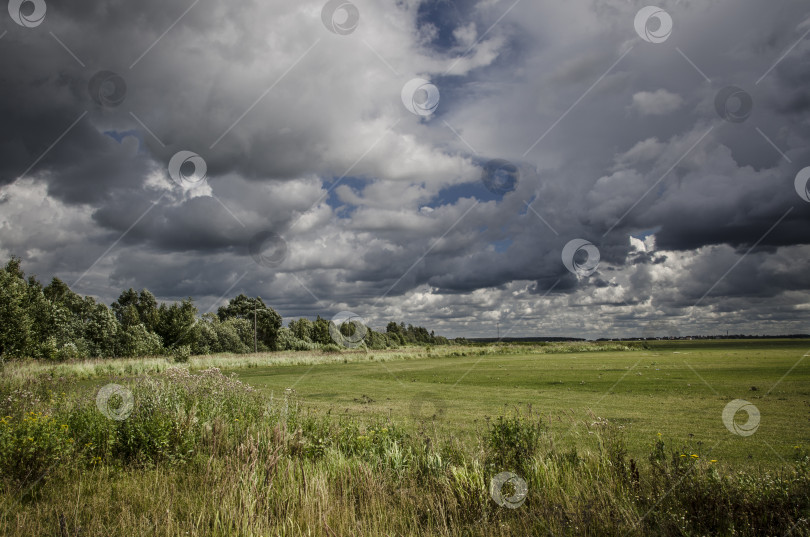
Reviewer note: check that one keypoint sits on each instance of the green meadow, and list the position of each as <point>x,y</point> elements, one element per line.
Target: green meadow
<point>676,388</point>
<point>608,438</point>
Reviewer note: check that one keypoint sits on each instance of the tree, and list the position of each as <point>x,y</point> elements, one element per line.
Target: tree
<point>100,329</point>
<point>375,340</point>
<point>230,334</point>
<point>58,292</point>
<point>302,329</point>
<point>267,320</point>
<point>147,307</point>
<point>176,323</point>
<point>16,337</point>
<point>53,322</point>
<point>320,331</point>
<point>136,340</point>
<point>133,308</point>
<point>207,340</point>
<point>122,305</point>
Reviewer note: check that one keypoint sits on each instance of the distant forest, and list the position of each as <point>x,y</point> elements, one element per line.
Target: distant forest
<point>54,323</point>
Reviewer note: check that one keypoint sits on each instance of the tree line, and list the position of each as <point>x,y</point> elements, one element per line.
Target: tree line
<point>52,322</point>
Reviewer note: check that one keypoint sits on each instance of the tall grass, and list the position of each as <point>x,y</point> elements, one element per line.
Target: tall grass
<point>204,454</point>
<point>118,367</point>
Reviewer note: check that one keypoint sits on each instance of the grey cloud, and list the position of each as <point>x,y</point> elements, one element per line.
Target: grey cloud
<point>314,114</point>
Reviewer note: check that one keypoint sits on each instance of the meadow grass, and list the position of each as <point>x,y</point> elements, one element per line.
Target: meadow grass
<point>677,388</point>
<point>90,368</point>
<point>408,443</point>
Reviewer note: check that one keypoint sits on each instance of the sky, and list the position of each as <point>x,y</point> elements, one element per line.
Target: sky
<point>517,167</point>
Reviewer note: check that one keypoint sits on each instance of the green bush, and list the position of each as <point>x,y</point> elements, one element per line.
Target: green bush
<point>30,445</point>
<point>377,439</point>
<point>171,416</point>
<point>512,442</point>
<point>287,341</point>
<point>68,351</point>
<point>181,354</point>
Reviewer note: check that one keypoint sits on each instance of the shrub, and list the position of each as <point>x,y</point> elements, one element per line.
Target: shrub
<point>136,340</point>
<point>232,334</point>
<point>286,341</point>
<point>182,354</point>
<point>31,445</point>
<point>376,440</point>
<point>511,442</point>
<point>686,486</point>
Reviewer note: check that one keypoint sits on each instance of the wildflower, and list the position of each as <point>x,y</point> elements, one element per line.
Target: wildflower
<point>30,439</point>
<point>694,456</point>
<point>713,460</point>
<point>659,435</point>
<point>682,455</point>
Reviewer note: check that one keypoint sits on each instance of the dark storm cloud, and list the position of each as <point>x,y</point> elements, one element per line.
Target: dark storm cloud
<point>275,104</point>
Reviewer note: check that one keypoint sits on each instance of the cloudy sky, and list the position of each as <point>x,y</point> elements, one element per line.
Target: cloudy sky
<point>425,161</point>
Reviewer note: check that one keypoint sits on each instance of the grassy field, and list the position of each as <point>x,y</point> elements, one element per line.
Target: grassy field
<point>606,439</point>
<point>675,388</point>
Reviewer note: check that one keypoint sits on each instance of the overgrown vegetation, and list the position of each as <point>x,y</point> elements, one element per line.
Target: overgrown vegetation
<point>204,454</point>
<point>53,323</point>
